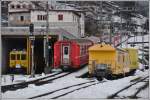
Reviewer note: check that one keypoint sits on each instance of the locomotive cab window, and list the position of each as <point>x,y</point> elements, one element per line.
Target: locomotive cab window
<point>23,57</point>
<point>13,56</point>
<point>18,56</point>
<point>66,50</point>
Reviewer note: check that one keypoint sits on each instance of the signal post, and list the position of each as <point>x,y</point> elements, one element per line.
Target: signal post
<point>32,39</point>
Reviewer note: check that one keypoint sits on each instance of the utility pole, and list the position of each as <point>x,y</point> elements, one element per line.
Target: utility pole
<point>111,29</point>
<point>101,13</point>
<point>47,68</point>
<point>99,18</point>
<point>143,46</point>
<point>32,39</point>
<point>0,39</point>
<point>121,28</point>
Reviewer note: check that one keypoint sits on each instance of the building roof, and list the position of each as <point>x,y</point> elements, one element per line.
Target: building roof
<point>40,7</point>
<point>102,47</point>
<point>82,40</point>
<point>24,31</point>
<point>93,38</point>
<point>58,10</point>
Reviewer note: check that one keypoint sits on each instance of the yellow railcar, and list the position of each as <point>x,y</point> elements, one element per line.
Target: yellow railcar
<point>105,60</point>
<point>133,56</point>
<point>18,60</point>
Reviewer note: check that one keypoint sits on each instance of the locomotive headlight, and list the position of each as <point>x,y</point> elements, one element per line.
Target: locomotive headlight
<point>18,66</point>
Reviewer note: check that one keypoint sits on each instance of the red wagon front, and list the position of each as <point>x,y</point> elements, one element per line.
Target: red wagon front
<point>71,53</point>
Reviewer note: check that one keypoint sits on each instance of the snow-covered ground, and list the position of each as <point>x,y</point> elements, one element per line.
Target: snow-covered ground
<point>100,90</point>
<point>9,79</point>
<point>33,90</point>
<point>106,89</point>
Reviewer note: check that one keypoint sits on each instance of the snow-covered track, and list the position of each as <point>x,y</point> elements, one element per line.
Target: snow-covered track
<point>137,42</point>
<point>41,82</point>
<point>61,95</point>
<point>20,85</point>
<point>61,89</point>
<point>127,87</point>
<point>134,96</point>
<point>69,89</point>
<point>37,81</point>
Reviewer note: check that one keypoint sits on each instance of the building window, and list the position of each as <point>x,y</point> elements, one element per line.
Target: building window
<point>12,6</point>
<point>38,17</point>
<point>60,17</point>
<point>30,6</point>
<point>45,17</point>
<point>41,17</point>
<point>24,6</point>
<point>18,6</point>
<point>21,18</point>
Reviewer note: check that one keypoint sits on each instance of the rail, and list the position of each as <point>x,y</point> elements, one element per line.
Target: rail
<point>68,87</point>
<point>16,86</point>
<point>137,42</point>
<point>115,94</point>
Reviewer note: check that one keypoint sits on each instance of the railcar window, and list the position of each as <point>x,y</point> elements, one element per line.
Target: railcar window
<point>82,52</point>
<point>18,56</point>
<point>85,50</point>
<point>66,50</point>
<point>123,58</point>
<point>13,56</point>
<point>119,58</point>
<point>23,57</point>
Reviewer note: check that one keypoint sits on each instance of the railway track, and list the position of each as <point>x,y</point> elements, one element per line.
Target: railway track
<point>133,82</point>
<point>39,81</point>
<point>69,89</point>
<point>134,96</point>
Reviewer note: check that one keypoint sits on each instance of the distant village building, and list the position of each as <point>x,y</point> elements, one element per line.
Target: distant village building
<point>24,13</point>
<point>19,13</point>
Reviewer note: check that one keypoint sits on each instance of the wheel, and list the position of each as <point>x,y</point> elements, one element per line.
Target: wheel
<point>47,70</point>
<point>99,78</point>
<point>109,77</point>
<point>64,68</point>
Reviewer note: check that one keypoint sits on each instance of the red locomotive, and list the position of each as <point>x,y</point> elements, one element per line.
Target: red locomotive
<point>71,53</point>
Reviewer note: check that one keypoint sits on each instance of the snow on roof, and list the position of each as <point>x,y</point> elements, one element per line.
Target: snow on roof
<point>101,47</point>
<point>93,38</point>
<point>136,39</point>
<point>139,21</point>
<point>118,19</point>
<point>139,29</point>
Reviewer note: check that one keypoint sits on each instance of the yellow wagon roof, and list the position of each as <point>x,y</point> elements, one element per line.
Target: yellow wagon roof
<point>101,47</point>
<point>18,51</point>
